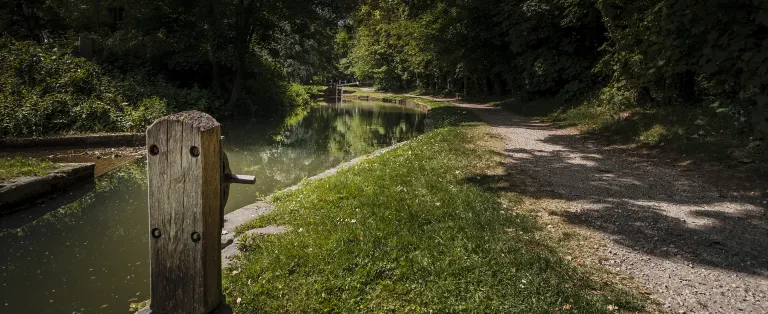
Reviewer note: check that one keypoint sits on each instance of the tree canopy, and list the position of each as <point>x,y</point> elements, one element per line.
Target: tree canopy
<point>223,56</point>
<point>237,56</point>
<point>710,53</point>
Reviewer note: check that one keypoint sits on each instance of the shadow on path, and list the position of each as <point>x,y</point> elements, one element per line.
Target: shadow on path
<point>649,207</point>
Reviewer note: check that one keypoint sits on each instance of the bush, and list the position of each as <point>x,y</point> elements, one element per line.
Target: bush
<point>45,90</point>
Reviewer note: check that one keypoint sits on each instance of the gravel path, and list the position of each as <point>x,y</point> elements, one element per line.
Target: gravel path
<point>698,248</point>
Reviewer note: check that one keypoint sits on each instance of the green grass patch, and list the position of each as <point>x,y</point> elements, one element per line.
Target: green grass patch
<point>692,130</point>
<point>315,90</point>
<point>359,91</point>
<point>24,167</point>
<point>411,231</point>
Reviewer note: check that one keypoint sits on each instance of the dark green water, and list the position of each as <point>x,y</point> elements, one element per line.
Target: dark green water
<point>86,252</point>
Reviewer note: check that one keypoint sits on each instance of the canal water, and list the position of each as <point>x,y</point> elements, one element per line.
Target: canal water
<point>86,252</point>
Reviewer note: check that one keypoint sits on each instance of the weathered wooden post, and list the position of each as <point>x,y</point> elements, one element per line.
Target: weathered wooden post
<point>85,47</point>
<point>185,173</point>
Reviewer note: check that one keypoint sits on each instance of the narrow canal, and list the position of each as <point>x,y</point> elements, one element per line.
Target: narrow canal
<point>86,252</point>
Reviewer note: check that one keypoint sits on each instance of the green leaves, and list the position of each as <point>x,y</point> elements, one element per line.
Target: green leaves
<point>543,45</point>
<point>44,90</point>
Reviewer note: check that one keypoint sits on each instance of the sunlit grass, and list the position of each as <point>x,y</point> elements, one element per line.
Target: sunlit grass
<point>695,129</point>
<point>24,167</point>
<point>411,231</point>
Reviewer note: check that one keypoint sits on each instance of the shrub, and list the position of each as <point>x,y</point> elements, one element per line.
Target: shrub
<point>44,90</point>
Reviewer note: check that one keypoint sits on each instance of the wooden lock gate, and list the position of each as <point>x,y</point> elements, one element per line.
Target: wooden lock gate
<point>188,174</point>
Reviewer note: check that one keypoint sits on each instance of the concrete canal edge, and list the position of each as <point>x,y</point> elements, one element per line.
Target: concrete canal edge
<point>248,213</point>
<point>25,190</point>
<point>237,218</point>
<point>78,141</point>
<point>403,102</point>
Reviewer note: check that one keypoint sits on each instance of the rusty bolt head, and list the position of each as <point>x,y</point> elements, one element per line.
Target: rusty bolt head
<point>155,233</point>
<point>195,236</point>
<point>154,150</point>
<point>194,151</point>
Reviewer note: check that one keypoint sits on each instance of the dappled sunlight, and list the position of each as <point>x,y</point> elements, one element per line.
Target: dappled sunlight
<point>639,204</point>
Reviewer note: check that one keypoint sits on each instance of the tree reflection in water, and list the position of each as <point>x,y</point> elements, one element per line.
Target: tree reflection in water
<point>87,252</point>
<point>311,141</point>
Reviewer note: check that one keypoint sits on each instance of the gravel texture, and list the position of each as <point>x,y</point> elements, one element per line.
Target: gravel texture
<point>698,247</point>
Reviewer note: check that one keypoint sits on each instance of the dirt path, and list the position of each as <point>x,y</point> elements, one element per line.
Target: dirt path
<point>697,248</point>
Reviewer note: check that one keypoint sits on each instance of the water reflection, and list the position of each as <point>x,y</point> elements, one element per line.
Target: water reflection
<point>87,253</point>
<point>311,141</point>
<point>88,256</point>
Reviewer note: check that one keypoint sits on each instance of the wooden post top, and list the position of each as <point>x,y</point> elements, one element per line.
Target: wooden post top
<point>197,119</point>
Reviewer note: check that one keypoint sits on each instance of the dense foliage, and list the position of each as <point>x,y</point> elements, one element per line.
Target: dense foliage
<point>113,65</point>
<point>623,61</point>
<point>45,89</point>
<point>708,56</point>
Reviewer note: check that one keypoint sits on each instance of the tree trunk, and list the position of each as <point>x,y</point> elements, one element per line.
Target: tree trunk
<point>448,79</point>
<point>687,90</point>
<point>243,36</point>
<point>644,97</point>
<point>237,86</point>
<point>498,84</point>
<point>214,48</point>
<point>97,7</point>
<point>681,88</point>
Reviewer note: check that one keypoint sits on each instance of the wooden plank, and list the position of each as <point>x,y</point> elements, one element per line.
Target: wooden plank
<point>190,220</point>
<point>212,217</point>
<point>157,178</point>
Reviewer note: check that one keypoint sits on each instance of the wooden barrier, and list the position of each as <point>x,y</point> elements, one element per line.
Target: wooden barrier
<point>187,184</point>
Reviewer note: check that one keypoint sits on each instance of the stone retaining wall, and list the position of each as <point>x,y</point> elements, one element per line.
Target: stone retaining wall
<point>77,141</point>
<point>25,190</point>
<point>403,102</point>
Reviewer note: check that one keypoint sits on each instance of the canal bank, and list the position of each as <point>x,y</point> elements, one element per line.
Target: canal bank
<point>87,252</point>
<point>429,226</point>
<point>236,221</point>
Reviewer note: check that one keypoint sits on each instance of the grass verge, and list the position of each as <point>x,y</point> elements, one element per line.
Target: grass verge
<point>24,167</point>
<point>360,91</point>
<point>412,231</point>
<point>688,131</point>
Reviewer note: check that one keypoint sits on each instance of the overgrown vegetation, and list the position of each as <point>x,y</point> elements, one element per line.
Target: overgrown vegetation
<point>91,66</point>
<point>377,238</point>
<point>24,167</point>
<point>659,71</point>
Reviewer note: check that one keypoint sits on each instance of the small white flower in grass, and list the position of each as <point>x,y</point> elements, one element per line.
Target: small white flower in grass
<point>301,229</point>
<point>612,307</point>
<point>239,300</point>
<point>353,221</point>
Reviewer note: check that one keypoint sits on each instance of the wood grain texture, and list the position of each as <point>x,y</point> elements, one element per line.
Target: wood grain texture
<point>184,198</point>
